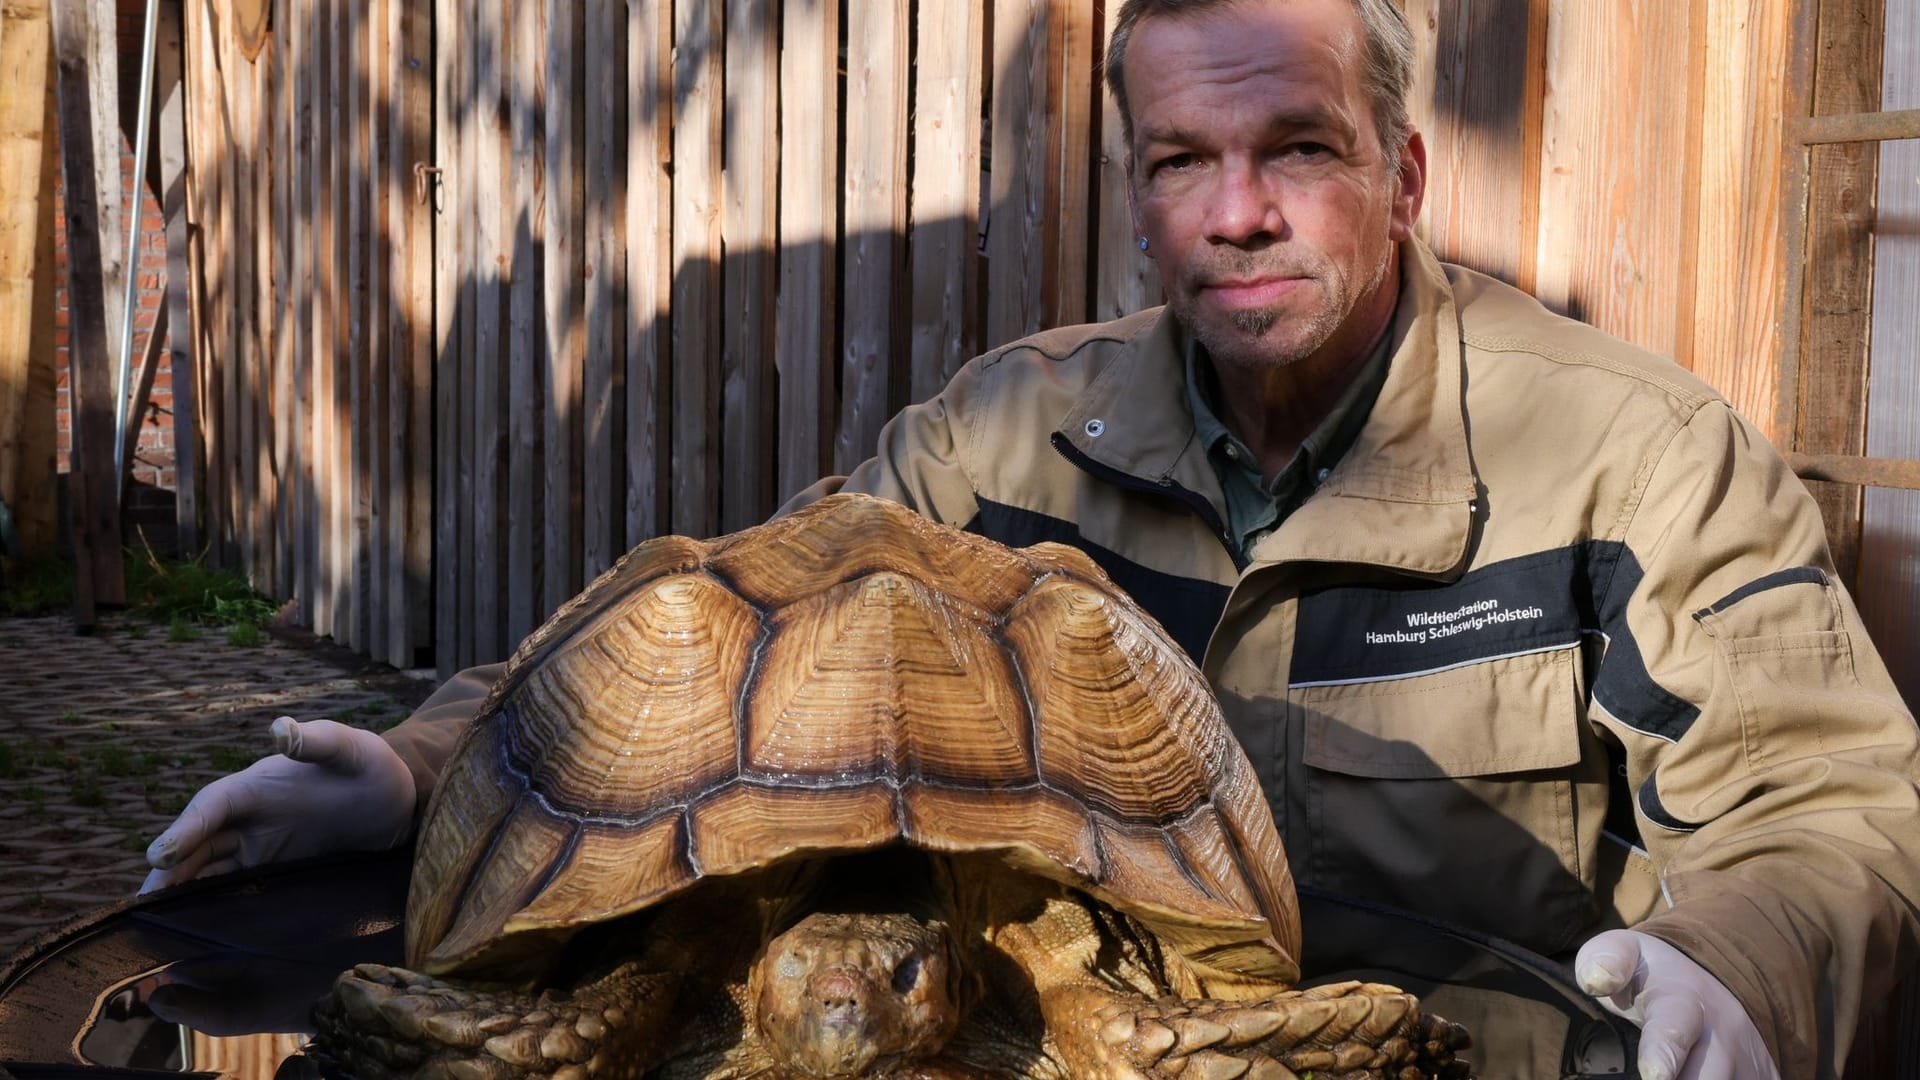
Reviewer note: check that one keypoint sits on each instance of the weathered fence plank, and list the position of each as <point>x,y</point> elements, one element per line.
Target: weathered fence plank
<point>803,324</point>
<point>520,270</point>
<point>945,208</point>
<point>28,160</point>
<point>649,104</point>
<point>750,176</point>
<point>695,508</point>
<point>875,201</point>
<point>602,523</point>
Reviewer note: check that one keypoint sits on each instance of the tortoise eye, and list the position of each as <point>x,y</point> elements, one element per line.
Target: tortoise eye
<point>906,975</point>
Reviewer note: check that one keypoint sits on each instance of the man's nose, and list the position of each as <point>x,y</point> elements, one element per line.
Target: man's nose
<point>1245,206</point>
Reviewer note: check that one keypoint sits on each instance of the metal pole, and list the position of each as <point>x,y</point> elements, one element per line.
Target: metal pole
<point>124,360</point>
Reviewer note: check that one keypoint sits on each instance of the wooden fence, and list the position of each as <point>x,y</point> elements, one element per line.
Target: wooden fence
<point>487,293</point>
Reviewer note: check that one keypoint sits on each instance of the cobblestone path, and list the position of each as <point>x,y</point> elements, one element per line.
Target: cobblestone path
<point>104,737</point>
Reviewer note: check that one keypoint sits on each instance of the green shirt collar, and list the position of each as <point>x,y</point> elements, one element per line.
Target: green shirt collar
<point>1253,509</point>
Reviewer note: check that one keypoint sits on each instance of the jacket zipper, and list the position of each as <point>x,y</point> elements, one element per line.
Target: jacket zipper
<point>1164,488</point>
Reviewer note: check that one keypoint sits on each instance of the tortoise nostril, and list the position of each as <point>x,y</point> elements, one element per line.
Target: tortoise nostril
<point>907,975</point>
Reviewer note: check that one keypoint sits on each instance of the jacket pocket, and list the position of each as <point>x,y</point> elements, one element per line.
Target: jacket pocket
<point>1454,794</point>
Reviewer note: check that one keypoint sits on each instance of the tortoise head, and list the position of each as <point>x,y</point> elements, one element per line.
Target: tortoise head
<point>837,994</point>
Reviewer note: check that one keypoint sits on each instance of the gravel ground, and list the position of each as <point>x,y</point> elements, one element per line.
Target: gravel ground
<point>104,737</point>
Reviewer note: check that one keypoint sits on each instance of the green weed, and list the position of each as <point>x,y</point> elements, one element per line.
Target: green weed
<point>246,635</point>
<point>40,586</point>
<point>181,630</point>
<point>7,766</point>
<point>227,759</point>
<point>89,794</point>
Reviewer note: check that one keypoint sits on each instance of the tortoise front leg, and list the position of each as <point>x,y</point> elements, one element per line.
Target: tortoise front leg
<point>386,1023</point>
<point>1343,1030</point>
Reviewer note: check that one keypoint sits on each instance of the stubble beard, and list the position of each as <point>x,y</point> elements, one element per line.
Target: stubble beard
<point>1241,339</point>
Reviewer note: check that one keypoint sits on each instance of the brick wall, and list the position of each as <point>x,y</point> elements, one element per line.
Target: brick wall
<point>150,499</point>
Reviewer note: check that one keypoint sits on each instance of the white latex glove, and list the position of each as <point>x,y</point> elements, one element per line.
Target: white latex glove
<point>1691,1026</point>
<point>330,787</point>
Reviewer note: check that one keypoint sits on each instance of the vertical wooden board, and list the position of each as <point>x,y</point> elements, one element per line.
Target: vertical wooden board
<point>234,259</point>
<point>521,270</point>
<point>649,262</point>
<point>95,523</point>
<point>565,343</point>
<point>356,412</point>
<point>1614,129</point>
<point>1738,253</point>
<point>804,338</point>
<point>324,300</point>
<point>696,266</point>
<point>1022,140</point>
<point>255,289</point>
<point>1889,591</point>
<point>382,434</point>
<point>1832,411</point>
<point>342,115</point>
<point>1070,90</point>
<point>750,175</point>
<point>204,189</point>
<point>449,40</point>
<point>601,518</point>
<point>279,240</point>
<point>37,513</point>
<point>410,357</point>
<point>945,211</point>
<point>1476,99</point>
<point>488,421</point>
<point>465,157</point>
<point>1126,280</point>
<point>874,203</point>
<point>298,422</point>
<point>28,153</point>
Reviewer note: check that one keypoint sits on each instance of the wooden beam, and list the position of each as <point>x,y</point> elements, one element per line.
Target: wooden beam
<point>98,578</point>
<point>809,175</point>
<point>26,174</point>
<point>696,265</point>
<point>875,198</point>
<point>751,175</point>
<point>946,200</point>
<point>1838,321</point>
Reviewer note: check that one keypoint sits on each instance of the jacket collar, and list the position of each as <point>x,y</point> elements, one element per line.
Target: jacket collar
<point>1401,498</point>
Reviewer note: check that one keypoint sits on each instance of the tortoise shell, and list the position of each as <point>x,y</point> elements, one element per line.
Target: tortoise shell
<point>844,678</point>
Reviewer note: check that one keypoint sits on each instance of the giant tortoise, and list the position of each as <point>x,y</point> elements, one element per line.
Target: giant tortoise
<point>854,794</point>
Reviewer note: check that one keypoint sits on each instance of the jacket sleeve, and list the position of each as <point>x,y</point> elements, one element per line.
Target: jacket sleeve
<point>1773,766</point>
<point>424,740</point>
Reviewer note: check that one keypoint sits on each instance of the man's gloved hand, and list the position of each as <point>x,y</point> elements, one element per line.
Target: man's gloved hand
<point>330,788</point>
<point>1691,1026</point>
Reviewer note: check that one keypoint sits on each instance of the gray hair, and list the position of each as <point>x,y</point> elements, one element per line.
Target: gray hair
<point>1389,48</point>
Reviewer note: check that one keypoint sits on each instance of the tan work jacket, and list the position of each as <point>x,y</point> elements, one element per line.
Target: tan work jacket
<point>1558,630</point>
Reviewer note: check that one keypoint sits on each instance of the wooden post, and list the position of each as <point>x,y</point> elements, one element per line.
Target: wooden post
<point>98,578</point>
<point>172,185</point>
<point>26,298</point>
<point>751,181</point>
<point>803,321</point>
<point>875,197</point>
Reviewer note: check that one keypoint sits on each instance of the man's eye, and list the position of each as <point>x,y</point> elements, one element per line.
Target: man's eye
<point>1308,149</point>
<point>1177,162</point>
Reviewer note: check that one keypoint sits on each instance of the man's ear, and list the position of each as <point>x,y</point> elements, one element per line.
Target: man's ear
<point>1412,191</point>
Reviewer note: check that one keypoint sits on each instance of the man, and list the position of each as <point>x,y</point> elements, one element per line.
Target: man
<point>1522,628</point>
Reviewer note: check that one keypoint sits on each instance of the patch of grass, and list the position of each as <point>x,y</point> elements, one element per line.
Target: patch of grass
<point>190,591</point>
<point>181,630</point>
<point>227,759</point>
<point>39,586</point>
<point>70,716</point>
<point>120,761</point>
<point>34,794</point>
<point>7,765</point>
<point>247,635</point>
<point>88,793</point>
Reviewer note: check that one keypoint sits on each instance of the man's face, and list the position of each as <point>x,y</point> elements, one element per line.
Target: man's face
<point>1259,180</point>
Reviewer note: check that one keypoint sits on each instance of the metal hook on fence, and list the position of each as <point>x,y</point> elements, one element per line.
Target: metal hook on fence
<point>421,171</point>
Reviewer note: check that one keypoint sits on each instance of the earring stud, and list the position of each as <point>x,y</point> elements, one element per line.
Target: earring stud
<point>1143,243</point>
